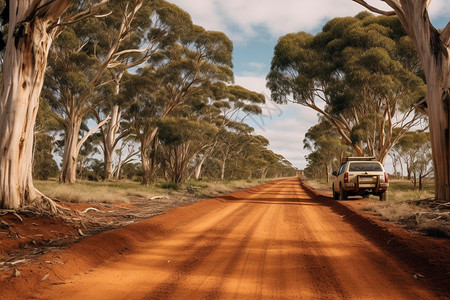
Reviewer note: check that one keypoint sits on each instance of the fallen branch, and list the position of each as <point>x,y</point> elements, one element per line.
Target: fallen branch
<point>20,218</point>
<point>89,209</point>
<point>158,197</point>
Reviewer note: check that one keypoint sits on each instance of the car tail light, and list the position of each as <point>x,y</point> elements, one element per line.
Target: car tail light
<point>386,177</point>
<point>346,177</point>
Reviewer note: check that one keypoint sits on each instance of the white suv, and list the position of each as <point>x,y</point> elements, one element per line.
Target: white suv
<point>360,176</point>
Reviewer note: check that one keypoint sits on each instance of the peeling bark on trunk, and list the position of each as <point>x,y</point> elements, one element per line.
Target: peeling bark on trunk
<point>72,147</point>
<point>69,168</point>
<point>110,141</point>
<point>198,168</point>
<point>436,64</point>
<point>222,169</point>
<point>146,141</point>
<point>439,109</point>
<point>206,154</point>
<point>146,165</point>
<point>29,38</point>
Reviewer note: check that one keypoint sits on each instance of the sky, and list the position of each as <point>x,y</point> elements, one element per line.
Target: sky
<point>254,26</point>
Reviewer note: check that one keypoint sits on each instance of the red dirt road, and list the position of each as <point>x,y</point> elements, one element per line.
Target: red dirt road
<point>273,241</point>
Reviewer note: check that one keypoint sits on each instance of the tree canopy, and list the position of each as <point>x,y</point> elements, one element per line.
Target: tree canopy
<point>359,73</point>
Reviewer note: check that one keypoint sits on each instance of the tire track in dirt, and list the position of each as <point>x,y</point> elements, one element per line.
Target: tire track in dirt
<point>274,241</point>
<point>205,244</point>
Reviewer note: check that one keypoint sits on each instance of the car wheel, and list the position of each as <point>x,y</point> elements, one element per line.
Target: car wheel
<point>342,193</point>
<point>335,195</point>
<point>383,196</point>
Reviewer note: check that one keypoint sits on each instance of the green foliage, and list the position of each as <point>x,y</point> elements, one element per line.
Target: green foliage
<point>414,151</point>
<point>171,186</point>
<point>327,150</point>
<point>181,140</point>
<point>47,124</point>
<point>178,103</point>
<point>364,70</point>
<point>132,171</point>
<point>44,166</point>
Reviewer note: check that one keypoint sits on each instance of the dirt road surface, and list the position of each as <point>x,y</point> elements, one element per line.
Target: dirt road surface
<point>273,241</point>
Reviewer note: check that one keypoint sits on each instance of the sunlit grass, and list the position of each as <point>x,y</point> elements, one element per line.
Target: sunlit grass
<point>403,190</point>
<point>121,191</point>
<point>88,191</point>
<point>402,206</point>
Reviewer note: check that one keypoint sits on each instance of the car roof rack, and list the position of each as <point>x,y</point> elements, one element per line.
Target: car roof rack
<point>358,158</point>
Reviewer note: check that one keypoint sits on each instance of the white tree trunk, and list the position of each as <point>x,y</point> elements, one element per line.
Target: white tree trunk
<point>198,168</point>
<point>69,163</point>
<point>72,147</point>
<point>222,169</point>
<point>434,54</point>
<point>146,141</point>
<point>110,140</point>
<point>438,100</point>
<point>29,38</point>
<point>434,51</point>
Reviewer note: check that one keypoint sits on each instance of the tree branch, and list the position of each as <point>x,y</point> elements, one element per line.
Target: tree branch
<point>445,35</point>
<point>90,12</point>
<point>80,143</point>
<point>339,128</point>
<point>128,51</point>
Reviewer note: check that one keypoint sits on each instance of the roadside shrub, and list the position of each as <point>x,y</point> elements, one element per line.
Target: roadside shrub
<point>171,186</point>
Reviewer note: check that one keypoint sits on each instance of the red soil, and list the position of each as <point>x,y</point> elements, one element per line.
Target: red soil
<point>279,240</point>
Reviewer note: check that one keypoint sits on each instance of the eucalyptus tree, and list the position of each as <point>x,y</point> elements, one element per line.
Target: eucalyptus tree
<point>327,149</point>
<point>280,167</point>
<point>181,139</point>
<point>356,74</point>
<point>70,93</point>
<point>183,72</point>
<point>47,124</point>
<point>415,152</point>
<point>158,25</point>
<point>239,155</point>
<point>99,51</point>
<point>232,143</point>
<point>33,25</point>
<point>268,159</point>
<point>245,161</point>
<point>433,48</point>
<point>227,106</point>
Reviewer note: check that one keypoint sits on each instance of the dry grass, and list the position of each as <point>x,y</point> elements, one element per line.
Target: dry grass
<point>422,215</point>
<point>414,209</point>
<point>100,192</point>
<point>392,211</point>
<point>318,184</point>
<point>403,190</point>
<point>407,206</point>
<point>121,191</point>
<point>212,189</point>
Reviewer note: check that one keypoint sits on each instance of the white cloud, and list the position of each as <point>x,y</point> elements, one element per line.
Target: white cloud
<point>241,19</point>
<point>256,67</point>
<point>439,9</point>
<point>204,13</point>
<point>283,125</point>
<point>286,136</point>
<point>283,16</point>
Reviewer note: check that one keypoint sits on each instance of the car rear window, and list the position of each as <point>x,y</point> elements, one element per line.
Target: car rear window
<point>365,166</point>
